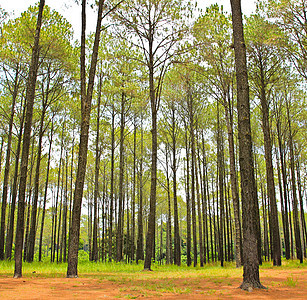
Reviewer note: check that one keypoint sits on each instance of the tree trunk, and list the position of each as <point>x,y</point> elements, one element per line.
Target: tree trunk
<point>169,247</point>
<point>302,213</point>
<point>248,188</point>
<point>297,230</point>
<point>97,164</point>
<point>45,194</point>
<point>140,243</point>
<point>9,239</point>
<point>150,238</point>
<point>112,186</point>
<point>32,234</point>
<point>133,193</point>
<point>86,102</point>
<point>220,167</point>
<point>120,225</point>
<point>200,227</point>
<point>189,260</point>
<point>234,184</point>
<point>7,164</point>
<point>284,199</point>
<point>177,252</point>
<point>274,228</point>
<point>193,185</point>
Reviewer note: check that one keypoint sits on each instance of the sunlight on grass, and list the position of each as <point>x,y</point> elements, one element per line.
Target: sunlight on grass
<point>123,273</point>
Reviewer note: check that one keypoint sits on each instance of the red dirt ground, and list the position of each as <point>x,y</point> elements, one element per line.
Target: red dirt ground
<point>283,284</point>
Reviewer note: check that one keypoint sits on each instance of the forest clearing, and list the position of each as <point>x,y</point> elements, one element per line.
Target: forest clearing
<point>120,281</point>
<point>161,153</point>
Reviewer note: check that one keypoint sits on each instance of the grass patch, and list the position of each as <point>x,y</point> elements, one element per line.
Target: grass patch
<point>290,282</point>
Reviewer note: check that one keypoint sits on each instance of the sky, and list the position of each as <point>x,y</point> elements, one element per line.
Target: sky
<point>72,11</point>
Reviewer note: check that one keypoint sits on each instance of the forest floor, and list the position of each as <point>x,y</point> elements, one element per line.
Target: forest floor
<point>212,282</point>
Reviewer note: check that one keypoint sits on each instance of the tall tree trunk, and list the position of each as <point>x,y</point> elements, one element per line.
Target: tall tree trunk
<point>9,239</point>
<point>302,213</point>
<point>150,238</point>
<point>7,164</point>
<point>112,186</point>
<point>297,230</point>
<point>177,252</point>
<point>86,101</point>
<point>140,243</point>
<point>189,260</point>
<point>30,94</point>
<point>274,228</point>
<point>234,183</point>
<point>32,234</point>
<point>248,188</point>
<point>120,225</point>
<point>45,194</point>
<point>169,247</point>
<point>133,193</point>
<point>97,164</point>
<point>220,167</point>
<point>284,189</point>
<point>65,209</point>
<point>200,227</point>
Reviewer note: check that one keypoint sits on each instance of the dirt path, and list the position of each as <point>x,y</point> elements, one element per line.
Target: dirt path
<point>283,284</point>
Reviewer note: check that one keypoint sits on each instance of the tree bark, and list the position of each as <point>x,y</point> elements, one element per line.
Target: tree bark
<point>248,188</point>
<point>30,94</point>
<point>274,228</point>
<point>86,101</point>
<point>9,240</point>
<point>32,234</point>
<point>45,194</point>
<point>97,164</point>
<point>297,230</point>
<point>7,164</point>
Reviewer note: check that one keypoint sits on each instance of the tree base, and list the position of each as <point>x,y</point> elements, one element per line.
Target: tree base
<point>147,269</point>
<point>249,286</point>
<point>71,276</point>
<point>16,276</point>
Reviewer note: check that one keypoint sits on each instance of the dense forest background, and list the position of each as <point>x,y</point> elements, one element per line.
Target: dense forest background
<point>164,90</point>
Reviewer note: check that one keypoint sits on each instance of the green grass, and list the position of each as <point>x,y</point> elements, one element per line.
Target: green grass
<point>129,272</point>
<point>291,282</point>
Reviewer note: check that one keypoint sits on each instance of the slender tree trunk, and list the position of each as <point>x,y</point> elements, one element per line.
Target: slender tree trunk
<point>86,101</point>
<point>284,199</point>
<point>297,231</point>
<point>274,228</point>
<point>120,225</point>
<point>150,238</point>
<point>220,167</point>
<point>200,227</point>
<point>302,213</point>
<point>133,193</point>
<point>177,252</point>
<point>112,186</point>
<point>45,194</point>
<point>193,190</point>
<point>169,247</point>
<point>97,164</point>
<point>140,243</point>
<point>7,164</point>
<point>234,184</point>
<point>30,94</point>
<point>189,260</point>
<point>32,234</point>
<point>250,254</point>
<point>9,240</point>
